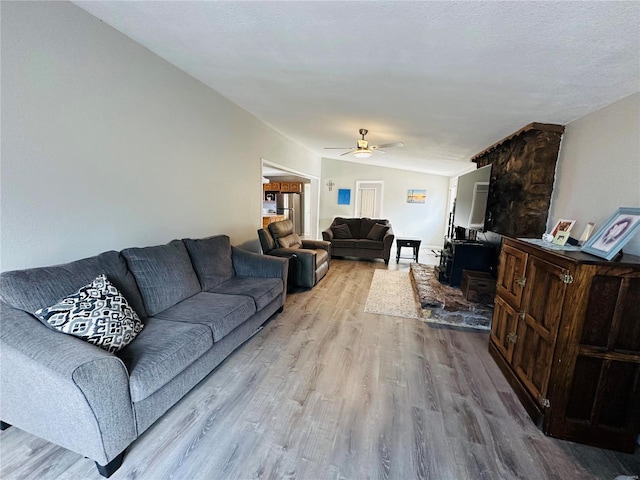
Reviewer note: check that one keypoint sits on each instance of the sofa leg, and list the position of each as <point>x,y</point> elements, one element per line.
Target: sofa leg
<point>281,309</point>
<point>4,425</point>
<point>386,262</point>
<point>108,469</point>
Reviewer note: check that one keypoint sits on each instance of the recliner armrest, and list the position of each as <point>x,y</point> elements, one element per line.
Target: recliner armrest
<point>317,244</point>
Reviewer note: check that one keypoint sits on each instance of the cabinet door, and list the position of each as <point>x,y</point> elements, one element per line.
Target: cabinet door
<point>503,328</point>
<point>266,187</point>
<point>538,322</point>
<point>296,187</point>
<point>511,270</point>
<point>275,186</point>
<point>285,187</point>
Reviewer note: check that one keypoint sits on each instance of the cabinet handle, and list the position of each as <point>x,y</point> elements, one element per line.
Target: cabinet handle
<point>512,337</point>
<point>521,281</point>
<point>522,315</point>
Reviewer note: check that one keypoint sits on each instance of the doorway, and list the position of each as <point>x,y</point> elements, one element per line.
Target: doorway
<point>369,198</point>
<point>310,188</point>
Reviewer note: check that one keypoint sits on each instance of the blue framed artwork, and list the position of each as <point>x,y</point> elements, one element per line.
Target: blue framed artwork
<point>344,196</point>
<point>609,240</point>
<point>416,196</point>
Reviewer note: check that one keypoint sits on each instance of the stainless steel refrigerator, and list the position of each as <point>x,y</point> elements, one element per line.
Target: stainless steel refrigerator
<point>290,205</point>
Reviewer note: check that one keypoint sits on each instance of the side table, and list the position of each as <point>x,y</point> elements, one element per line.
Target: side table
<point>413,243</point>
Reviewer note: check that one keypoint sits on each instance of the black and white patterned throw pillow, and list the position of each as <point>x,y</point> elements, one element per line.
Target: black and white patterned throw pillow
<point>97,313</point>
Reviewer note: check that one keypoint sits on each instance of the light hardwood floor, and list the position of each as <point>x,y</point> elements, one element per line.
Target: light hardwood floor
<point>327,391</point>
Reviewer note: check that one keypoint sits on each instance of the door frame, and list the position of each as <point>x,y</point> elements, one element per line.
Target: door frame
<point>314,192</point>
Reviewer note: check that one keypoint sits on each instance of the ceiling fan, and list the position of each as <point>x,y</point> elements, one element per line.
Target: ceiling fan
<point>364,150</point>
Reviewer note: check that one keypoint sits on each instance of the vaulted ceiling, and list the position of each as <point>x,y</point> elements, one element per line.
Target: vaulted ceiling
<point>445,78</point>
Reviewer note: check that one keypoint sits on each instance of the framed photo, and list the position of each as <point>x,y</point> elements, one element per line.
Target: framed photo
<point>416,196</point>
<point>561,237</point>
<point>564,225</point>
<point>614,235</point>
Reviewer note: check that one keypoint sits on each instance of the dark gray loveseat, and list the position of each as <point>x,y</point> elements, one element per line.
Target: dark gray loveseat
<point>198,299</point>
<point>360,237</point>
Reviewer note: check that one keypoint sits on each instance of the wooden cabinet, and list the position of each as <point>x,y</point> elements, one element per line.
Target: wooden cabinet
<point>566,334</point>
<point>284,187</point>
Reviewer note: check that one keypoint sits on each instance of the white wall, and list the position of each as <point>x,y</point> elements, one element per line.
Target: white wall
<point>425,221</point>
<point>106,146</point>
<point>599,168</point>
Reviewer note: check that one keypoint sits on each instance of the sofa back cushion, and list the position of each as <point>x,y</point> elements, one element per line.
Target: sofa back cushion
<point>341,231</point>
<point>211,259</point>
<point>164,274</point>
<point>377,232</point>
<point>290,241</point>
<point>280,229</point>
<point>352,223</point>
<point>35,288</point>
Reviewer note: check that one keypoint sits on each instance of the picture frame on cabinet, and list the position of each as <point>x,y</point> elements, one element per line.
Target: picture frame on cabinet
<point>614,234</point>
<point>562,225</point>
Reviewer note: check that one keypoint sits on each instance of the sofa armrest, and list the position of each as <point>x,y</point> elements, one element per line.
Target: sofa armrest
<point>327,235</point>
<point>387,241</point>
<point>63,389</point>
<point>317,244</point>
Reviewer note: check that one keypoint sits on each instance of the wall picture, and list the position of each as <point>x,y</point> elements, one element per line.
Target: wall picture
<point>618,230</point>
<point>344,196</point>
<point>416,196</point>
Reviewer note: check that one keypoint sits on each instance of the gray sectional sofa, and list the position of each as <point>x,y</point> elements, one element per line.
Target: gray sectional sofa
<point>198,300</point>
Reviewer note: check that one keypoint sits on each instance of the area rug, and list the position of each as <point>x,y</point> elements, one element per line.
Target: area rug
<point>446,305</point>
<point>391,294</point>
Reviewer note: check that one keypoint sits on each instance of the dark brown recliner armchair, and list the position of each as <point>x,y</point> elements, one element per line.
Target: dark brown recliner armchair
<point>308,259</point>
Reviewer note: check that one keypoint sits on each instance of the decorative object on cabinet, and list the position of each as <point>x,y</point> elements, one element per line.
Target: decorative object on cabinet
<point>416,196</point>
<point>565,333</point>
<point>614,235</point>
<point>561,237</point>
<point>586,234</point>
<point>344,196</point>
<point>564,225</point>
<point>522,176</point>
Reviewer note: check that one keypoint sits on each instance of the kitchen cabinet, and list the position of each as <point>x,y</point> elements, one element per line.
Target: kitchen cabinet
<point>284,187</point>
<point>566,335</point>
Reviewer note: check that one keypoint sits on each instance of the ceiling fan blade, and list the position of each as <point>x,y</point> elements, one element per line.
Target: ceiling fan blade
<point>347,153</point>
<point>387,145</point>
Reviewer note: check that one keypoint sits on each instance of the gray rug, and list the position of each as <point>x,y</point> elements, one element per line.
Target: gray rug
<point>445,305</point>
<point>391,294</point>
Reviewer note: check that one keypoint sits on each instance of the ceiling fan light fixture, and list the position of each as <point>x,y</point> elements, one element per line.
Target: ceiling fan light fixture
<point>362,153</point>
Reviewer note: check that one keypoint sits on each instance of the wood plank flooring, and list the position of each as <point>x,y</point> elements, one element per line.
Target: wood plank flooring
<point>327,391</point>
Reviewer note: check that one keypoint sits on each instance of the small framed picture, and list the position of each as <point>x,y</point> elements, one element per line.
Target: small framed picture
<point>614,235</point>
<point>561,237</point>
<point>416,196</point>
<point>564,225</point>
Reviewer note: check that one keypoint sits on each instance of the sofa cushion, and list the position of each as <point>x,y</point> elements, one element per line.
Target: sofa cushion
<point>354,226</point>
<point>341,231</point>
<point>344,243</point>
<point>35,288</point>
<point>370,245</point>
<point>221,313</point>
<point>164,274</point>
<point>377,232</point>
<point>290,241</point>
<point>211,259</point>
<point>97,313</point>
<point>262,290</point>
<point>366,224</point>
<point>161,351</point>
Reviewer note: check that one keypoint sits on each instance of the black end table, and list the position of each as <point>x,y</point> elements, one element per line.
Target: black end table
<point>413,243</point>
